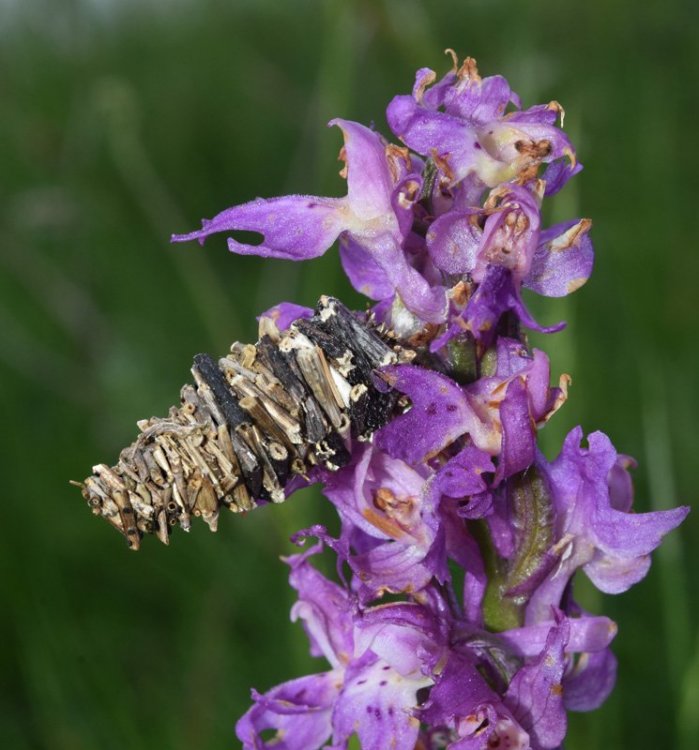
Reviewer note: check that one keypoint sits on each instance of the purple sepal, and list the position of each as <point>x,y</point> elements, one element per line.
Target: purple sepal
<point>442,136</point>
<point>588,685</point>
<point>518,431</point>
<point>535,695</point>
<point>464,93</point>
<point>479,100</point>
<point>563,260</point>
<point>557,173</point>
<point>478,506</point>
<point>587,634</point>
<point>366,275</point>
<point>454,239</point>
<point>440,413</point>
<point>621,484</point>
<point>370,182</point>
<point>458,691</point>
<point>323,607</point>
<point>293,227</point>
<point>397,568</point>
<point>428,302</point>
<point>299,710</point>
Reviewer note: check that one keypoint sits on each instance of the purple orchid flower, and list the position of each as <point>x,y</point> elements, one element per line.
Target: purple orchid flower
<point>499,413</point>
<point>508,253</point>
<point>372,221</point>
<point>595,528</point>
<point>372,687</point>
<point>454,624</point>
<point>390,523</point>
<point>463,125</point>
<point>554,262</point>
<point>530,712</point>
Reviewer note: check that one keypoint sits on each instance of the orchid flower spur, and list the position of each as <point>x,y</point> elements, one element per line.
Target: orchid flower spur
<point>451,623</point>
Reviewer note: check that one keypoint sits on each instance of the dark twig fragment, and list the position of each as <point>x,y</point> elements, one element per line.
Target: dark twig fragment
<point>250,422</point>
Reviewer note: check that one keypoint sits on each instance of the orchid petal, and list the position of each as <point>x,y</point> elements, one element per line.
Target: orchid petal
<point>535,694</point>
<point>462,475</point>
<point>285,313</point>
<point>426,301</point>
<point>365,273</point>
<point>376,704</point>
<point>324,609</point>
<point>587,634</point>
<point>453,241</point>
<point>440,413</point>
<point>563,260</point>
<point>299,710</point>
<point>293,227</point>
<point>590,682</point>
<point>369,183</point>
<point>480,100</point>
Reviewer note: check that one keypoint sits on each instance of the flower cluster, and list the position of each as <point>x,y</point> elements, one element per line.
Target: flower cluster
<point>452,622</point>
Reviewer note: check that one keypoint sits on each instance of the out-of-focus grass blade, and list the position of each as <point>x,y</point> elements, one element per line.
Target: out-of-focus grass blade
<point>688,715</point>
<point>669,557</point>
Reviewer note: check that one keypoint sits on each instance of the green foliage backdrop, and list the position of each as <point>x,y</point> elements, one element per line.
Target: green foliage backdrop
<point>122,122</point>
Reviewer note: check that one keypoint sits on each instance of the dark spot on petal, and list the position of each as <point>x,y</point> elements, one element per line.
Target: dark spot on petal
<point>369,709</point>
<point>383,682</point>
<point>390,711</point>
<point>386,667</point>
<point>477,146</point>
<point>431,409</point>
<point>377,713</point>
<point>452,408</point>
<point>361,682</point>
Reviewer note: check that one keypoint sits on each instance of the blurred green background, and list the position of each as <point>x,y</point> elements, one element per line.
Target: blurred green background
<point>122,122</point>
